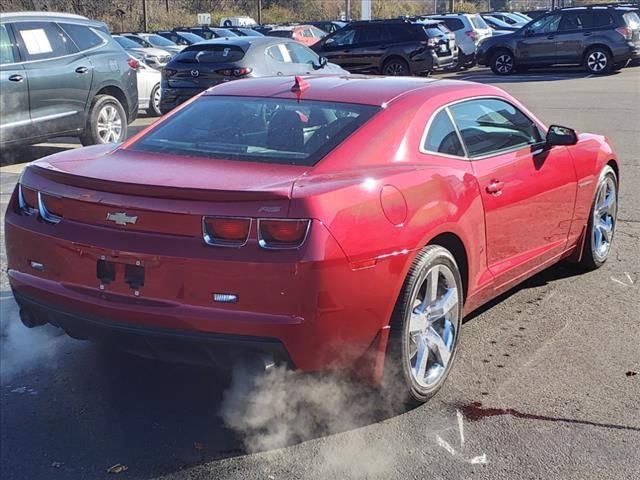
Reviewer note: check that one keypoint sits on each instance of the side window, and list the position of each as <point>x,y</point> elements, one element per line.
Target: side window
<point>368,35</point>
<point>453,24</point>
<point>42,40</point>
<point>575,20</point>
<point>7,54</point>
<point>279,53</point>
<point>400,33</point>
<point>342,38</point>
<point>84,37</point>
<point>442,136</point>
<point>300,54</point>
<point>491,126</point>
<point>307,33</point>
<point>546,24</point>
<point>602,18</point>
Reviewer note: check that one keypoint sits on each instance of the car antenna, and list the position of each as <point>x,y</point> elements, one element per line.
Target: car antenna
<point>299,86</point>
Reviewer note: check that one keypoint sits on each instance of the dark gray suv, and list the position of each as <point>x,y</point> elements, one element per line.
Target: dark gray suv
<point>61,75</point>
<point>599,38</point>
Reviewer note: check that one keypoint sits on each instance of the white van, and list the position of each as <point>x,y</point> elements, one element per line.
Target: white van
<point>237,22</point>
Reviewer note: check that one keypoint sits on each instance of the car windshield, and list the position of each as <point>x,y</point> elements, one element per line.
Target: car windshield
<point>159,41</point>
<point>256,129</point>
<point>478,22</point>
<point>125,42</point>
<point>191,37</point>
<point>223,32</point>
<point>498,23</point>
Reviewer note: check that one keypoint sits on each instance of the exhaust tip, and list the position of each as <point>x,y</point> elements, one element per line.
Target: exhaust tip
<point>29,320</point>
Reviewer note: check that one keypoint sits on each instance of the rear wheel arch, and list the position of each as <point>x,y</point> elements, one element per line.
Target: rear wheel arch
<point>614,165</point>
<point>593,47</point>
<point>118,94</point>
<point>456,247</point>
<point>394,57</point>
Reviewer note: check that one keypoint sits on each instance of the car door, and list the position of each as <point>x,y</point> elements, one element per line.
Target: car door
<point>15,121</point>
<point>573,31</point>
<point>59,77</point>
<point>338,48</point>
<point>537,44</point>
<point>528,191</point>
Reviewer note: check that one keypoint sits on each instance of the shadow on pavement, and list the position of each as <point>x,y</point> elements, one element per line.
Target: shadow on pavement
<point>485,75</point>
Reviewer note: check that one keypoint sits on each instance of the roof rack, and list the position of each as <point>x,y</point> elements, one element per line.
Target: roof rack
<point>382,20</point>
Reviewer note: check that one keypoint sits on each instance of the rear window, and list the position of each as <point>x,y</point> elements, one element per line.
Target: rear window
<point>632,19</point>
<point>265,130</point>
<point>213,53</point>
<point>478,22</point>
<point>433,31</point>
<point>454,24</point>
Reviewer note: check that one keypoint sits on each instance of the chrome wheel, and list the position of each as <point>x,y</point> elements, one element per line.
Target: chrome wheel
<point>433,326</point>
<point>604,218</point>
<point>109,125</point>
<point>395,69</point>
<point>504,63</point>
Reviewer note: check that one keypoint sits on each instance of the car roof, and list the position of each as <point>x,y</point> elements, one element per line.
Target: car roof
<point>51,16</point>
<point>359,89</point>
<point>242,42</point>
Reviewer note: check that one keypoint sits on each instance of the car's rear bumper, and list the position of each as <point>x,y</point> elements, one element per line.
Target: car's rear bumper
<point>173,97</point>
<point>311,301</point>
<point>180,346</point>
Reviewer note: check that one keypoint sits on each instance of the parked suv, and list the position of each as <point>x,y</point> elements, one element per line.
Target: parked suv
<point>61,75</point>
<point>390,47</point>
<point>600,38</point>
<point>469,30</point>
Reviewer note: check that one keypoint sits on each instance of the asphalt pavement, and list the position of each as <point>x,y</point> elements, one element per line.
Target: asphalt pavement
<point>546,386</point>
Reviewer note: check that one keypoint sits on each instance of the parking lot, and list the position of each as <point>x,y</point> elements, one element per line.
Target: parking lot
<point>546,385</point>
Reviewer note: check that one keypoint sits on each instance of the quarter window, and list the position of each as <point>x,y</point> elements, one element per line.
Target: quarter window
<point>442,136</point>
<point>82,36</point>
<point>41,40</point>
<point>602,18</point>
<point>492,126</point>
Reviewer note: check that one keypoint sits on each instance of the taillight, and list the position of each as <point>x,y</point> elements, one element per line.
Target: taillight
<point>282,234</point>
<point>27,200</point>
<point>226,231</point>
<point>472,34</point>
<point>625,32</point>
<point>50,207</point>
<point>234,72</point>
<point>133,63</point>
<point>168,72</point>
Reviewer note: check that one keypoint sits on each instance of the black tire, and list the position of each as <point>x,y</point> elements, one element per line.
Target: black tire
<point>502,62</point>
<point>400,375</point>
<point>598,61</point>
<point>395,67</point>
<point>592,257</point>
<point>101,104</point>
<point>154,103</point>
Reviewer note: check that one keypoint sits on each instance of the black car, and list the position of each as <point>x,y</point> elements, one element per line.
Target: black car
<point>63,75</point>
<point>208,32</point>
<point>600,38</point>
<point>329,26</point>
<point>389,47</point>
<point>219,60</point>
<point>180,37</point>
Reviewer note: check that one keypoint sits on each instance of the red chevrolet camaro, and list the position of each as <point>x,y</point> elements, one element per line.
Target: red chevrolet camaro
<point>320,223</point>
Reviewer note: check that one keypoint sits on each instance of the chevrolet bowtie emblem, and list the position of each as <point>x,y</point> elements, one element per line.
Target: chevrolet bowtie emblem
<point>121,218</point>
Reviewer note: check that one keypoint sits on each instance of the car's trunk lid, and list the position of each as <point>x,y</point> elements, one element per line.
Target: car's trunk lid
<point>166,194</point>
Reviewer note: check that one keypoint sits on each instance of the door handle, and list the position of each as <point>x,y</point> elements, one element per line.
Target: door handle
<point>82,70</point>
<point>551,37</point>
<point>587,34</point>
<point>495,187</point>
<point>16,78</point>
